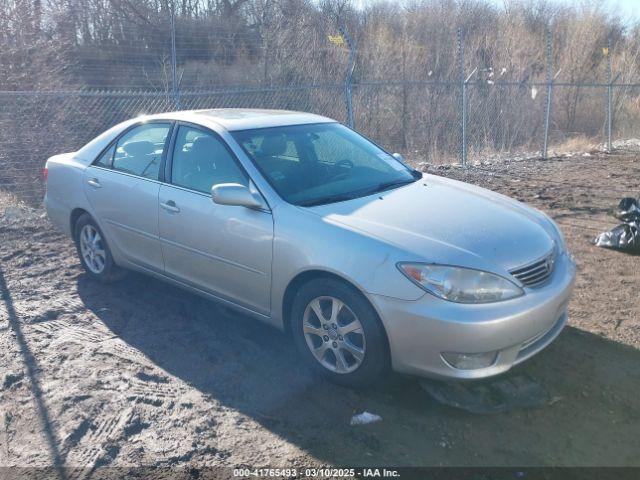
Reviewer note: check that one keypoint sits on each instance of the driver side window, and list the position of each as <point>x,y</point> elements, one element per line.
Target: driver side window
<point>201,160</point>
<point>139,151</point>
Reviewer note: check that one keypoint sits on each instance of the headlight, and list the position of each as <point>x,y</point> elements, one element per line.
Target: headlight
<point>462,285</point>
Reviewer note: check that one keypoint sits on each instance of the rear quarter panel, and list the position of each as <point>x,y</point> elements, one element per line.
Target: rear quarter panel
<point>64,190</point>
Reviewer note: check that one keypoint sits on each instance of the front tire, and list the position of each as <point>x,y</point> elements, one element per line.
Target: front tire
<point>338,333</point>
<point>94,251</point>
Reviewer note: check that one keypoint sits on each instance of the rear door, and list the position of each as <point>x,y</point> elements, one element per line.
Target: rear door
<point>122,187</point>
<point>225,250</point>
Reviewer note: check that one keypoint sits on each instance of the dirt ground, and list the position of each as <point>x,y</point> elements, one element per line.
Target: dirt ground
<point>139,373</point>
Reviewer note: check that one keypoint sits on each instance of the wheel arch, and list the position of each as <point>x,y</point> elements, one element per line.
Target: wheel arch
<point>76,213</point>
<point>305,277</point>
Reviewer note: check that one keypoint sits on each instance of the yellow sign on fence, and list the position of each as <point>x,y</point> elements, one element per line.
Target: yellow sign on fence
<point>336,39</point>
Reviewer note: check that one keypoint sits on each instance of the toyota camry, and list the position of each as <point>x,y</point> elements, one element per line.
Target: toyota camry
<point>306,225</point>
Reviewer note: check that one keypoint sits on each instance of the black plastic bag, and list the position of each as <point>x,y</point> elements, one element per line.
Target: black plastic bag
<point>628,210</point>
<point>626,236</point>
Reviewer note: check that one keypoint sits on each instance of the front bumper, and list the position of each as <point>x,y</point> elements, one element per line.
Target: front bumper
<point>419,331</point>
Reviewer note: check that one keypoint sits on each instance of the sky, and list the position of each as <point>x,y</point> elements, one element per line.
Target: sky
<point>627,10</point>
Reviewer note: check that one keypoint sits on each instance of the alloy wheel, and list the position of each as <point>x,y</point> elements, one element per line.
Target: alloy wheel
<point>92,249</point>
<point>334,334</point>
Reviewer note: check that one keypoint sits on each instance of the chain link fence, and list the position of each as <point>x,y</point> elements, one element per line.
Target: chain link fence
<point>475,113</point>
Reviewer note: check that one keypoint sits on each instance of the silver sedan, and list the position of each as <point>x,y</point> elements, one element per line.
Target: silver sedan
<point>304,224</point>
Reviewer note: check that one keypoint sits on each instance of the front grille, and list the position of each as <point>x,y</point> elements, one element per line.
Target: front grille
<point>536,273</point>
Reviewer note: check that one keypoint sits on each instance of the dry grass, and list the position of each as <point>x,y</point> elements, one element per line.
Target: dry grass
<point>579,143</point>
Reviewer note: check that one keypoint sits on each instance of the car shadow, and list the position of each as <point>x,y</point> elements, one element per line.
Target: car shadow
<point>254,369</point>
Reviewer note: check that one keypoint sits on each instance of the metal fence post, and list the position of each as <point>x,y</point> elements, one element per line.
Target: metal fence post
<point>609,96</point>
<point>463,101</point>
<point>174,63</point>
<point>547,115</point>
<point>348,93</point>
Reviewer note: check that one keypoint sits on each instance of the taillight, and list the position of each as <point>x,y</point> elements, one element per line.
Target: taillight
<point>45,174</point>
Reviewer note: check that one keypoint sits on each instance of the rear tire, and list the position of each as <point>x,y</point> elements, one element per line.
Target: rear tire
<point>339,334</point>
<point>94,252</point>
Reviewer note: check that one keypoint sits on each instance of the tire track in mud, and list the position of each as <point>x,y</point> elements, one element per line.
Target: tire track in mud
<point>95,442</point>
<point>61,331</point>
<point>155,393</point>
<point>149,388</point>
<point>116,347</point>
<point>145,382</point>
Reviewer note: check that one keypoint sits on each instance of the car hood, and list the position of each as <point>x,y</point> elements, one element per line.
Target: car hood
<point>446,221</point>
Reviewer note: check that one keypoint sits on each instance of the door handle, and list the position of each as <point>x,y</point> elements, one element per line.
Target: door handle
<point>94,183</point>
<point>170,206</point>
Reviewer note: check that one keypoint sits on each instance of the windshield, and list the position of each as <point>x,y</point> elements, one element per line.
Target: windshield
<point>321,163</point>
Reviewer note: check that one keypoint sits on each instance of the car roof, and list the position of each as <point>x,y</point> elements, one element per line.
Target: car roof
<point>244,118</point>
<point>229,119</point>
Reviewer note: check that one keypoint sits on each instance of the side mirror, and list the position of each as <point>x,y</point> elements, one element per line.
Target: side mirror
<point>416,173</point>
<point>236,195</point>
<point>398,157</point>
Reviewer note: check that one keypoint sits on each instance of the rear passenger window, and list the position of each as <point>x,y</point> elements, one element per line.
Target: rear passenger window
<point>139,151</point>
<point>105,158</point>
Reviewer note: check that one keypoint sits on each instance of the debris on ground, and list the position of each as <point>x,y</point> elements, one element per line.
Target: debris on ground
<point>626,236</point>
<point>20,215</point>
<point>629,145</point>
<point>499,395</point>
<point>365,418</point>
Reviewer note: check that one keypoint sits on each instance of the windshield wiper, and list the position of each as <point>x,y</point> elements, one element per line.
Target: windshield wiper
<point>342,197</point>
<point>381,187</point>
<point>330,199</point>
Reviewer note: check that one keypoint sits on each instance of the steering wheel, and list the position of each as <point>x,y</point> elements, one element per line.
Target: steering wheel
<point>345,162</point>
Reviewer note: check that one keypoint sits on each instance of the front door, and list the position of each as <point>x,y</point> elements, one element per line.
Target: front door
<point>221,249</point>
